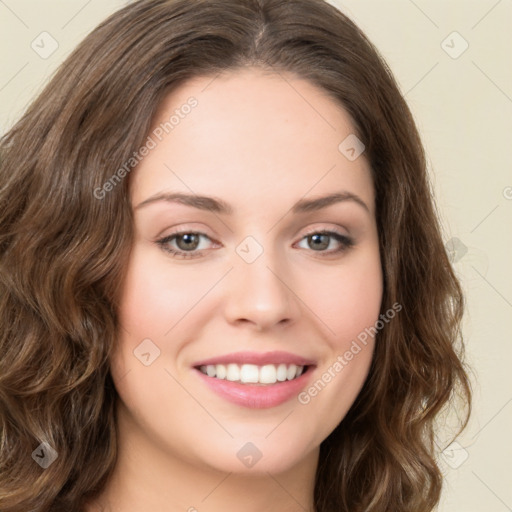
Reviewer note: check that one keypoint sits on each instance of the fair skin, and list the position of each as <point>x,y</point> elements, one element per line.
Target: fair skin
<point>260,145</point>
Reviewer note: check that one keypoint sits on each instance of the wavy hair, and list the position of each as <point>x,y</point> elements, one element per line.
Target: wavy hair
<point>63,250</point>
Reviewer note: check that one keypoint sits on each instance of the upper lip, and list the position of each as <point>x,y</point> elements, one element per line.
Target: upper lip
<point>257,358</point>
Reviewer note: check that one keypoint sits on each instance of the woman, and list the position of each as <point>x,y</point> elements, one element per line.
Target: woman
<point>223,280</point>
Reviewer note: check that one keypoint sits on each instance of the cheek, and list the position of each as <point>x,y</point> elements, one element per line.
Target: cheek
<point>348,303</point>
<point>348,300</point>
<point>154,298</point>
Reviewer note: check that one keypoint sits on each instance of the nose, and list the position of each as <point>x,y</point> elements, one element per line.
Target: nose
<point>260,294</point>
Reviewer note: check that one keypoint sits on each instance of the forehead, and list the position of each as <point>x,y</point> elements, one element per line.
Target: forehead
<point>250,134</point>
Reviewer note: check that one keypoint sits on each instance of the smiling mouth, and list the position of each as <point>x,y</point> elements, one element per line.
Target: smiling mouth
<point>267,374</point>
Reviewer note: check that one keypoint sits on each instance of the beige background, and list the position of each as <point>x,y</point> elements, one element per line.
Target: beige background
<point>463,105</point>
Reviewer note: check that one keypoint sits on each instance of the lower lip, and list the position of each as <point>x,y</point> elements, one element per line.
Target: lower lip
<point>256,396</point>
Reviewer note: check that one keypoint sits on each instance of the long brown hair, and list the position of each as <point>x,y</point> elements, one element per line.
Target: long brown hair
<point>63,250</point>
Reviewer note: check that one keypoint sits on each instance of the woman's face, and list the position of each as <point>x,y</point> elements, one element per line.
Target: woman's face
<point>234,277</point>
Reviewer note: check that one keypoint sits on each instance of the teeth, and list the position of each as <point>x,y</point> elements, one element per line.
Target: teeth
<point>233,372</point>
<point>268,374</point>
<point>249,373</point>
<point>253,374</point>
<point>291,372</point>
<point>281,372</point>
<point>221,371</point>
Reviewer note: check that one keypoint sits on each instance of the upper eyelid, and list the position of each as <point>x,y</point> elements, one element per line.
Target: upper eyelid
<point>315,229</point>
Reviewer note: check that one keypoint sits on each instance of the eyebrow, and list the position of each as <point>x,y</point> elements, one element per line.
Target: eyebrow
<point>217,205</point>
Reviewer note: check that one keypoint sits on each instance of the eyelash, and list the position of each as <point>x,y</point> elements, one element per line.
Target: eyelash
<point>344,241</point>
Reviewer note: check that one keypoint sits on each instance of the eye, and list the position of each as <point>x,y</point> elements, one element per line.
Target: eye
<point>319,241</point>
<point>187,242</point>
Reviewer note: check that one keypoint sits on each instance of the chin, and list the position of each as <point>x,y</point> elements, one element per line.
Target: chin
<point>257,455</point>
